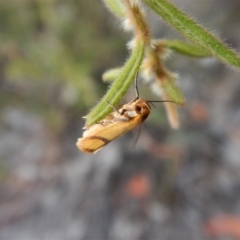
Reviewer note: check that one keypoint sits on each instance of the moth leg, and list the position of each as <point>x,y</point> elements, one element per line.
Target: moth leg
<point>137,136</point>
<point>121,119</point>
<point>113,107</point>
<point>105,122</point>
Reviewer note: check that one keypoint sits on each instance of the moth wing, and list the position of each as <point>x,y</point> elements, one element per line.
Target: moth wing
<point>95,140</point>
<point>115,130</point>
<point>90,144</point>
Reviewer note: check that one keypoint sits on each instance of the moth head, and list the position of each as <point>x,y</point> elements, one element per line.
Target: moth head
<point>142,107</point>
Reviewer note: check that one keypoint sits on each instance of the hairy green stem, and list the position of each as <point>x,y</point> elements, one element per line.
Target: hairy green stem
<point>184,48</point>
<point>194,32</point>
<point>120,86</point>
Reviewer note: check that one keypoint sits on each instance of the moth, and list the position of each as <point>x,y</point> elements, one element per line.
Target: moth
<point>116,123</point>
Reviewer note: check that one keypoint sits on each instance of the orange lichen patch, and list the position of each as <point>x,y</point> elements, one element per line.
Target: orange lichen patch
<point>198,112</point>
<point>138,186</point>
<point>223,225</point>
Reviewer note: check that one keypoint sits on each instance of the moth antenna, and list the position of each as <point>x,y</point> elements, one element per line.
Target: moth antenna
<point>151,101</point>
<point>152,104</point>
<point>136,87</point>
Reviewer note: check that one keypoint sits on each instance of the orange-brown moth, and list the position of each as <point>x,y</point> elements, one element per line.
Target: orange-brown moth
<point>116,124</point>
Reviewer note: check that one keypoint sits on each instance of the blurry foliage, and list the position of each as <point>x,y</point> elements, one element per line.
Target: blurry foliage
<point>48,51</point>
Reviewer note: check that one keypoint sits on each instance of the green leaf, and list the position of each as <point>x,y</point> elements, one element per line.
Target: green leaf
<point>173,91</point>
<point>184,48</point>
<point>194,32</point>
<point>116,6</point>
<point>111,74</point>
<point>120,86</point>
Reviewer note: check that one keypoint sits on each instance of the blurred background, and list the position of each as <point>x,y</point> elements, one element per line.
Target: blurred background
<point>175,184</point>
